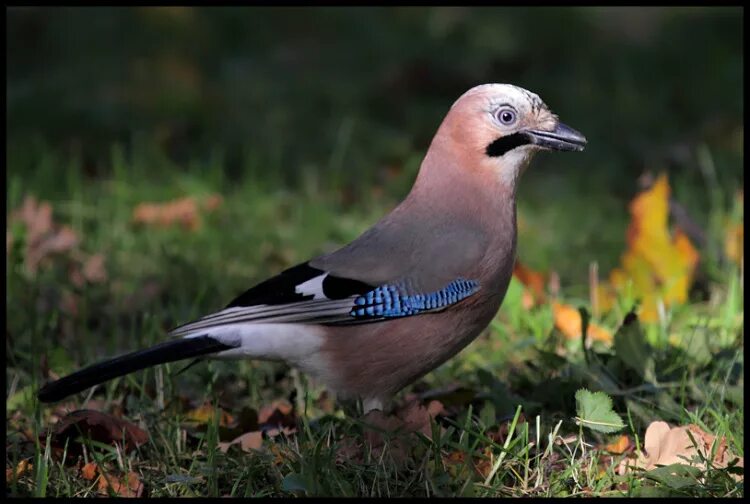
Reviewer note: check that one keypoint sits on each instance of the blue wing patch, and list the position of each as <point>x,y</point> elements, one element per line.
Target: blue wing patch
<point>391,301</point>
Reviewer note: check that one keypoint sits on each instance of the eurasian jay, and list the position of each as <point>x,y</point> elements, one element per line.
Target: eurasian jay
<point>410,292</point>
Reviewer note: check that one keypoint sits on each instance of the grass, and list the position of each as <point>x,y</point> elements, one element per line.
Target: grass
<point>518,378</point>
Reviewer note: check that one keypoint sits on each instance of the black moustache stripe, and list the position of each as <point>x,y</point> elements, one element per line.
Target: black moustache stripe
<point>507,143</point>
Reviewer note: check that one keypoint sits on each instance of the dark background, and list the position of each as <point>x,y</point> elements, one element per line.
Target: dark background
<point>354,95</point>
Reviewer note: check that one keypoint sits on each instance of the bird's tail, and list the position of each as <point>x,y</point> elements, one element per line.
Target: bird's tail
<point>169,351</point>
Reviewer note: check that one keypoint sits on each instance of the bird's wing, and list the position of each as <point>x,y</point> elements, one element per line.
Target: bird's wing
<point>308,295</point>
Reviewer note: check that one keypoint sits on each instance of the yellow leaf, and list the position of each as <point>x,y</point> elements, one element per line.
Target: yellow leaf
<point>659,266</point>
<point>606,297</point>
<point>733,239</point>
<point>734,232</point>
<point>206,413</point>
<point>568,322</point>
<point>619,445</point>
<point>22,468</point>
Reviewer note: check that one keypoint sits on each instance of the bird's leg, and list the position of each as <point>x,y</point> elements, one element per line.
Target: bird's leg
<point>371,404</point>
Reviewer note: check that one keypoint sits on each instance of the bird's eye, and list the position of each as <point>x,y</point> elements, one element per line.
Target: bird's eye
<point>506,116</point>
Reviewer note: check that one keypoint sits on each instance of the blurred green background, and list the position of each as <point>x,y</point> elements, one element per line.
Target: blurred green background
<point>347,100</point>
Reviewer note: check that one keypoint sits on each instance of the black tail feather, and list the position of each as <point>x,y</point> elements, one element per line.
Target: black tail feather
<point>169,351</point>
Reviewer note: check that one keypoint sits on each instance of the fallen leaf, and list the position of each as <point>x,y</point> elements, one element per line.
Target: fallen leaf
<point>88,471</point>
<point>213,202</point>
<point>733,242</point>
<point>36,216</point>
<point>619,445</point>
<point>93,269</point>
<point>99,427</point>
<point>568,322</point>
<point>206,413</point>
<point>533,282</point>
<point>281,453</point>
<point>43,238</point>
<point>483,464</point>
<point>277,415</point>
<point>349,450</point>
<point>248,442</point>
<point>665,445</point>
<point>129,486</point>
<point>22,468</point>
<point>417,418</point>
<point>455,463</point>
<point>185,212</point>
<point>734,231</point>
<point>499,434</point>
<point>275,431</point>
<point>659,265</point>
<point>396,429</point>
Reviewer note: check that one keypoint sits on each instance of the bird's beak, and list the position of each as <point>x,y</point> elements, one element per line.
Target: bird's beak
<point>562,138</point>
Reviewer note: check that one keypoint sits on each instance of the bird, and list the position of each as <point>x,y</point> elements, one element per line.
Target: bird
<point>413,290</point>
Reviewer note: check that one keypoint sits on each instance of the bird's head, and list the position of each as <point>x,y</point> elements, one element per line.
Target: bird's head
<point>497,127</point>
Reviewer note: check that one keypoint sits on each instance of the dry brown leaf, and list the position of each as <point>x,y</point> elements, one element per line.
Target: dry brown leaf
<point>483,464</point>
<point>36,216</point>
<point>455,463</point>
<point>665,445</point>
<point>277,415</point>
<point>248,442</point>
<point>349,450</point>
<point>93,269</point>
<point>568,322</point>
<point>89,471</point>
<point>734,232</point>
<point>213,202</point>
<point>733,242</point>
<point>46,239</point>
<point>99,427</point>
<point>499,434</point>
<point>43,237</point>
<point>183,211</point>
<point>417,418</point>
<point>275,431</point>
<point>22,468</point>
<point>533,281</point>
<point>281,453</point>
<point>129,486</point>
<point>411,418</point>
<point>379,427</point>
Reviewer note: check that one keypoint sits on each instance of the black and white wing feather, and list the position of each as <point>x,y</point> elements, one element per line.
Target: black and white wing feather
<point>301,294</point>
<point>308,295</point>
